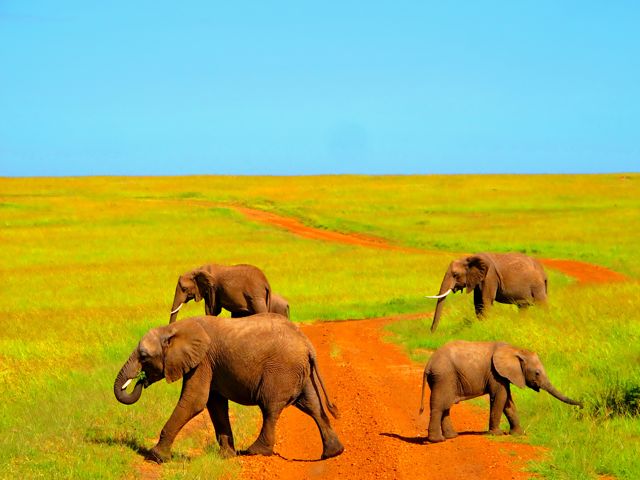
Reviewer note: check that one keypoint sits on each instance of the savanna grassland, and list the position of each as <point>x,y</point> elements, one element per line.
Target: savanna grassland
<point>90,264</point>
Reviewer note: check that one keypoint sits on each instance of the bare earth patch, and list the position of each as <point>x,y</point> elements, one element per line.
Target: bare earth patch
<point>377,389</point>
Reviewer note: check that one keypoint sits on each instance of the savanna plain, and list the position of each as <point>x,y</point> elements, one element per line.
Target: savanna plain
<point>88,265</point>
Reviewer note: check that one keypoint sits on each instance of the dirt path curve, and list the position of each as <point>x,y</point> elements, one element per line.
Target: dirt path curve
<point>377,389</point>
<point>583,272</point>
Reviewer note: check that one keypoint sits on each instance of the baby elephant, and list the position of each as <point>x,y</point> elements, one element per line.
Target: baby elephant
<point>262,360</point>
<point>462,370</point>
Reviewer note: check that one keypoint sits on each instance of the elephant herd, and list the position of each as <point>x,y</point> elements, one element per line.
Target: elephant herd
<point>265,360</point>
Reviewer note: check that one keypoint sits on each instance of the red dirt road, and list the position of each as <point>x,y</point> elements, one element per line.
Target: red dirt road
<point>583,272</point>
<point>377,389</point>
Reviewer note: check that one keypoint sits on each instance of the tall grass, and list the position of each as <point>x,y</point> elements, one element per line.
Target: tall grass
<point>90,264</point>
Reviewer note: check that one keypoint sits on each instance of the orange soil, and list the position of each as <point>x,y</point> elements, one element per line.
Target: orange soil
<point>581,271</point>
<point>377,389</point>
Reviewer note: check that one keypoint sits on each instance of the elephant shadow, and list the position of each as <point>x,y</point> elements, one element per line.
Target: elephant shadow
<point>130,443</point>
<point>422,440</point>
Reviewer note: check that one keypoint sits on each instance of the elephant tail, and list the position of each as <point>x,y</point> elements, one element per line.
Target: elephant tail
<point>424,380</point>
<point>316,379</point>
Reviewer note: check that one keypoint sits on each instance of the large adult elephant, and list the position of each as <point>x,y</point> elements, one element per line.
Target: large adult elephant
<point>461,370</point>
<point>241,289</point>
<point>512,278</point>
<point>263,360</point>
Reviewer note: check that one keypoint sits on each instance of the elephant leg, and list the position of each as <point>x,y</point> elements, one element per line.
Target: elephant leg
<point>267,438</point>
<point>309,403</point>
<point>512,415</point>
<point>498,400</point>
<point>447,427</point>
<point>439,403</point>
<point>482,301</point>
<point>218,407</point>
<point>193,400</point>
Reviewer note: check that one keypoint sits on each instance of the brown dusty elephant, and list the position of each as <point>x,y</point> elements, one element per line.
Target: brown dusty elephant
<point>512,278</point>
<point>461,370</point>
<point>241,289</point>
<point>262,360</point>
<point>279,305</point>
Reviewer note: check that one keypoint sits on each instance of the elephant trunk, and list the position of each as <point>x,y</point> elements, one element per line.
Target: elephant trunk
<point>448,282</point>
<point>127,373</point>
<point>548,387</point>
<point>178,300</point>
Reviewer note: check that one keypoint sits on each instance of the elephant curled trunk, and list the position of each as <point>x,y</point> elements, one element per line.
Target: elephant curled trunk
<point>549,388</point>
<point>448,282</point>
<point>128,372</point>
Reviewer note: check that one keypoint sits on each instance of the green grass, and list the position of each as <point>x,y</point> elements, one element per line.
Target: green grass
<point>90,264</point>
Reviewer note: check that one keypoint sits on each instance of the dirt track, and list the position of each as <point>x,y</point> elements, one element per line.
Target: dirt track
<point>377,389</point>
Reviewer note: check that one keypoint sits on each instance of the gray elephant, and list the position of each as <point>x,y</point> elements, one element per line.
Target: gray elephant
<point>461,370</point>
<point>511,278</point>
<point>279,305</point>
<point>262,360</point>
<point>241,289</point>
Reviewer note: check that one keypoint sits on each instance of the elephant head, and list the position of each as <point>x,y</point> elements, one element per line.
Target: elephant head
<point>164,352</point>
<point>524,368</point>
<point>464,273</point>
<point>193,285</point>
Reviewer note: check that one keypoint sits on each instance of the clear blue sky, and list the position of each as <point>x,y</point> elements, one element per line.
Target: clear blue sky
<point>287,88</point>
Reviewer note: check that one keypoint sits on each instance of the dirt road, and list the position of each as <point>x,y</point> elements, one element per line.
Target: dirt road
<point>377,389</point>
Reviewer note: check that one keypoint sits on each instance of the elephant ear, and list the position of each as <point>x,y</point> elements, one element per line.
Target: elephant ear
<point>477,269</point>
<point>204,284</point>
<point>184,345</point>
<point>507,362</point>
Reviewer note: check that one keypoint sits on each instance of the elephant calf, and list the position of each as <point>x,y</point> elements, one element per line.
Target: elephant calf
<point>462,370</point>
<point>262,360</point>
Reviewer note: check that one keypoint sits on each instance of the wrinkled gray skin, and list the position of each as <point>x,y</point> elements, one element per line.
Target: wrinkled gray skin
<point>241,289</point>
<point>279,305</point>
<point>462,370</point>
<point>262,360</point>
<point>512,278</point>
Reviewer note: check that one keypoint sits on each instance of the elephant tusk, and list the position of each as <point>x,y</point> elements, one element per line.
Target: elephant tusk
<point>126,384</point>
<point>177,309</point>
<point>439,296</point>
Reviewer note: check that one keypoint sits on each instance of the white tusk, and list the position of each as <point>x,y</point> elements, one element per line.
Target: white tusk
<point>177,309</point>
<point>126,384</point>
<point>440,296</point>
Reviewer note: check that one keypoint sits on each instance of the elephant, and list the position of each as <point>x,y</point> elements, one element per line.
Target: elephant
<point>262,360</point>
<point>279,305</point>
<point>242,289</point>
<point>461,370</point>
<point>512,278</point>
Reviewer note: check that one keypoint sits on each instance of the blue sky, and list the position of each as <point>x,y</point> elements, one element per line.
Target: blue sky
<point>290,88</point>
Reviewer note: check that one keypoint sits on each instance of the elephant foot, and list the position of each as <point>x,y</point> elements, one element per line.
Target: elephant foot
<point>227,452</point>
<point>496,432</point>
<point>450,435</point>
<point>333,448</point>
<point>258,449</point>
<point>158,455</point>
<point>516,431</point>
<point>435,438</point>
